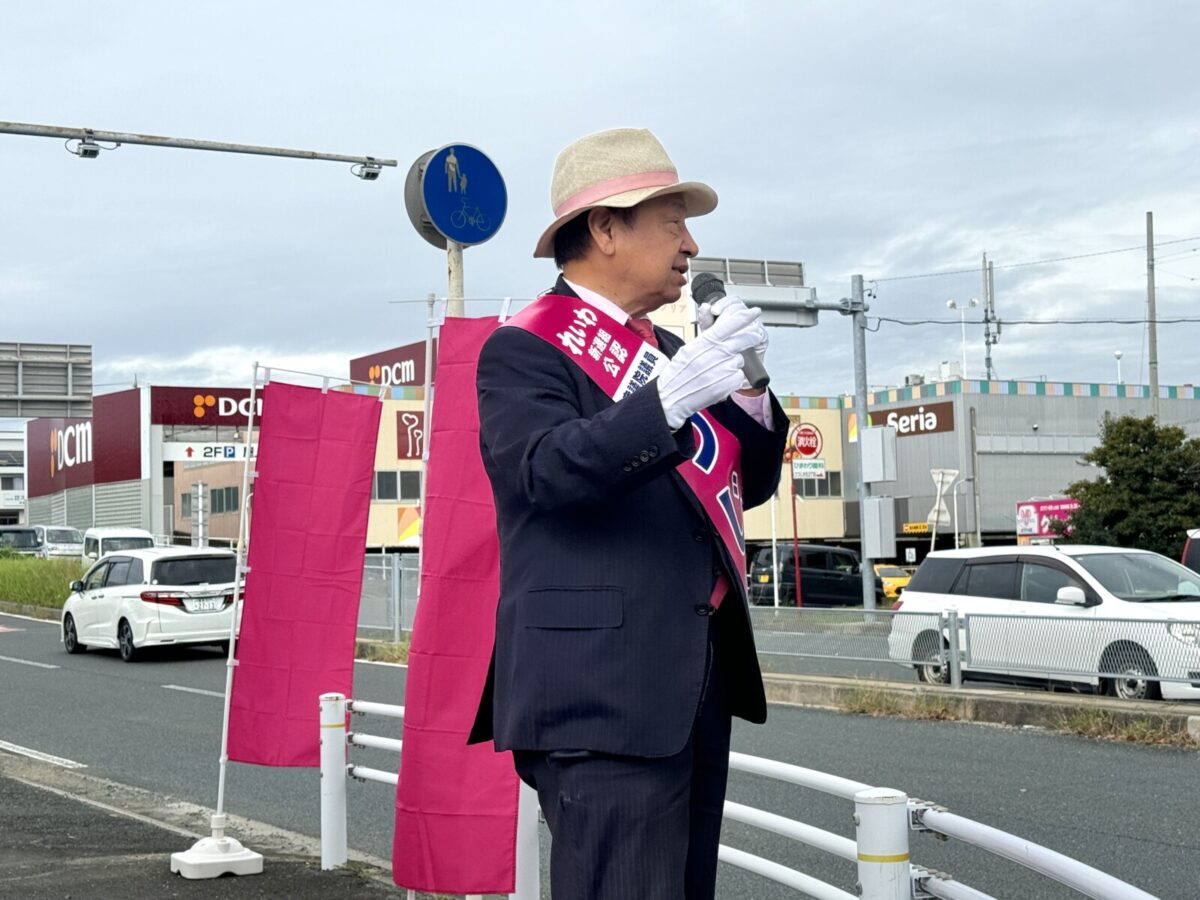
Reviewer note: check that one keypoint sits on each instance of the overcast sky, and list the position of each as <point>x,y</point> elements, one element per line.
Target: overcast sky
<point>878,138</point>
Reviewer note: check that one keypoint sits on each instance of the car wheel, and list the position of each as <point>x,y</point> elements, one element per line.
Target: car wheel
<point>1135,670</point>
<point>928,656</point>
<point>71,636</point>
<point>125,642</point>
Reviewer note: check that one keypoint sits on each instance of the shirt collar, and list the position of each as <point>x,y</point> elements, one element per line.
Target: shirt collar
<point>602,303</point>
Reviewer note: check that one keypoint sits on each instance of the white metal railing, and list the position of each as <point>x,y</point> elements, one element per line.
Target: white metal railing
<point>336,771</point>
<point>883,817</point>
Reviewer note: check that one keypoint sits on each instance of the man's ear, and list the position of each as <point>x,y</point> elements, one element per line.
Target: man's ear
<point>601,224</point>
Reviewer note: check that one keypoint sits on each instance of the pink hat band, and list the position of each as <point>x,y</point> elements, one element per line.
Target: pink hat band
<point>602,190</point>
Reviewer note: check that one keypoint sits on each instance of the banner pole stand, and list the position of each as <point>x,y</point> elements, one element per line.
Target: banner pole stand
<point>218,855</point>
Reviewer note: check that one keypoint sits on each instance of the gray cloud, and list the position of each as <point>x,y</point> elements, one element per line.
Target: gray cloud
<point>875,138</point>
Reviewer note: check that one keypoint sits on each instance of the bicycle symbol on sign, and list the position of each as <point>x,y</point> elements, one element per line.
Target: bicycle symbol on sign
<point>460,218</point>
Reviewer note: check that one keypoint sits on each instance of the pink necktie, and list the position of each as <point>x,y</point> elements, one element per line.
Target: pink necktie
<point>643,329</point>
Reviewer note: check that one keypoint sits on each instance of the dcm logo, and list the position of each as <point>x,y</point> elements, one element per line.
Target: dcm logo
<point>70,446</point>
<point>402,372</point>
<point>225,406</point>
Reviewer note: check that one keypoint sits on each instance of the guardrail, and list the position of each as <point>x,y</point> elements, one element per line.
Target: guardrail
<point>883,817</point>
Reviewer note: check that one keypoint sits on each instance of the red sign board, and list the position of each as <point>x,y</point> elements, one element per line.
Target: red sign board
<point>410,434</point>
<point>1034,517</point>
<point>806,441</point>
<point>69,453</point>
<point>202,406</point>
<point>400,366</point>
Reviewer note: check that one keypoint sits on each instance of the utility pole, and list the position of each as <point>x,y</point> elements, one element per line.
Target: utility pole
<point>857,308</point>
<point>1153,332</point>
<point>991,336</point>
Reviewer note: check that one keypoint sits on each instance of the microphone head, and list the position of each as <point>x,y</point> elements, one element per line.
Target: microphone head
<point>707,287</point>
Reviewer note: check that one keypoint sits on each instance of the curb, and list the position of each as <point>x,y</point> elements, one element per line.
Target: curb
<point>1009,707</point>
<point>30,611</point>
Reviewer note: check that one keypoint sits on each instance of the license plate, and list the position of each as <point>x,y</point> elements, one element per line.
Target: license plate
<point>203,604</point>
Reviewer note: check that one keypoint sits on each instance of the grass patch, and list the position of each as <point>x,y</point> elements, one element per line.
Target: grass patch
<point>876,702</point>
<point>383,651</point>
<point>38,582</point>
<point>873,702</point>
<point>1105,725</point>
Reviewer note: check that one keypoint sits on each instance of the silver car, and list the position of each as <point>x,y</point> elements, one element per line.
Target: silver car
<point>59,540</point>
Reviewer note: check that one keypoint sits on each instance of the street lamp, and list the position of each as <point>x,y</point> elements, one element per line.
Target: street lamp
<point>962,319</point>
<point>1118,354</point>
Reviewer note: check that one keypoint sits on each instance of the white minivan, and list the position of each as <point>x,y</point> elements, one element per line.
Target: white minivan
<point>98,542</point>
<point>1113,618</point>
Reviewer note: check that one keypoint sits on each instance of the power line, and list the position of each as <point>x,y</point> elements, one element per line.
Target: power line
<point>1178,320</point>
<point>1033,262</point>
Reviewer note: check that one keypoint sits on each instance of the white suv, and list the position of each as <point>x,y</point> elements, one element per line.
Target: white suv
<point>143,598</point>
<point>1109,617</point>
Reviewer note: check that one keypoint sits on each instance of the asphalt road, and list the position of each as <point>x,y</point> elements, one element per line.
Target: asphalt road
<point>1129,810</point>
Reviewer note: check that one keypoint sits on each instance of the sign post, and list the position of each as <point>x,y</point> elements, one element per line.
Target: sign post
<point>456,198</point>
<point>940,515</point>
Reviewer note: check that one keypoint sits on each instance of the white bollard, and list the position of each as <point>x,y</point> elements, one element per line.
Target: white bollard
<point>529,868</point>
<point>881,817</point>
<point>333,780</point>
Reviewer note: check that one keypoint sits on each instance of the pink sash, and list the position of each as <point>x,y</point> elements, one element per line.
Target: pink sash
<point>620,363</point>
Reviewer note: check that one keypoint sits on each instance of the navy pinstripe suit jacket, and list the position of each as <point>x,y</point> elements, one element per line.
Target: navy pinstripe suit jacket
<point>607,561</point>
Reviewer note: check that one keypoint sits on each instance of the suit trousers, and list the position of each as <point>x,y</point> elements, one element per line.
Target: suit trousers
<point>637,828</point>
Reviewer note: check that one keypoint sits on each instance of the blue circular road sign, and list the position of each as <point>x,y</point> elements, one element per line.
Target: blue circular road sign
<point>464,195</point>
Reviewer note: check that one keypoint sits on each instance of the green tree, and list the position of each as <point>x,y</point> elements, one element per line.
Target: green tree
<point>1149,493</point>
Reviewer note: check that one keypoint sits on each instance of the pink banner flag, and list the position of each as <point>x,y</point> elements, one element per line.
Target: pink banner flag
<point>456,805</point>
<point>308,532</point>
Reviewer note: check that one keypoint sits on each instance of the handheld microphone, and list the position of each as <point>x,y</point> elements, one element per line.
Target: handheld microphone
<point>708,288</point>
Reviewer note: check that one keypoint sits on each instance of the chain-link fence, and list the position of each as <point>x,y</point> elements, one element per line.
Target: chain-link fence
<point>389,595</point>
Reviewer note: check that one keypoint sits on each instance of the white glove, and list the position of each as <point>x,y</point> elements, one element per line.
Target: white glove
<point>707,314</point>
<point>708,369</point>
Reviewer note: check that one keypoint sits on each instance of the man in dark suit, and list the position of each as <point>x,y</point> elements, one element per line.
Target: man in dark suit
<point>620,460</point>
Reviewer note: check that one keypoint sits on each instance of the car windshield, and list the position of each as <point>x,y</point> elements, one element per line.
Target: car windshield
<point>191,570</point>
<point>115,544</point>
<point>63,536</point>
<point>892,572</point>
<point>19,539</point>
<point>1142,577</point>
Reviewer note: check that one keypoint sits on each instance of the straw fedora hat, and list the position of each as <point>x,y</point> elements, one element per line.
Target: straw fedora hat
<point>621,168</point>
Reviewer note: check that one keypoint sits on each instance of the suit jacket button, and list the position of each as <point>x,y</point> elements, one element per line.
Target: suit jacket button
<point>644,456</point>
<point>628,467</point>
<point>653,451</point>
<point>703,609</point>
<point>699,536</point>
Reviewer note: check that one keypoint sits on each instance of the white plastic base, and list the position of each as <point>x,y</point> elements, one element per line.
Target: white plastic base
<point>214,857</point>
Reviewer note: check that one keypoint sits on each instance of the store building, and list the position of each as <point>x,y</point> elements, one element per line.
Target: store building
<point>1010,441</point>
<point>119,467</point>
<point>12,478</point>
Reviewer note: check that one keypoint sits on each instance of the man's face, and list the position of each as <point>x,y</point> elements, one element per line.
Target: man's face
<point>652,254</point>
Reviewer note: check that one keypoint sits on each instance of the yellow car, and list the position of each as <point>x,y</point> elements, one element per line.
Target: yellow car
<point>892,578</point>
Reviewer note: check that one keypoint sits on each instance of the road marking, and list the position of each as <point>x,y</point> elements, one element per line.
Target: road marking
<point>43,757</point>
<point>4,628</point>
<point>28,662</point>
<point>191,690</point>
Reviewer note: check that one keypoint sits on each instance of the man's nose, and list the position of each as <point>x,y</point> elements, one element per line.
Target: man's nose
<point>690,248</point>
